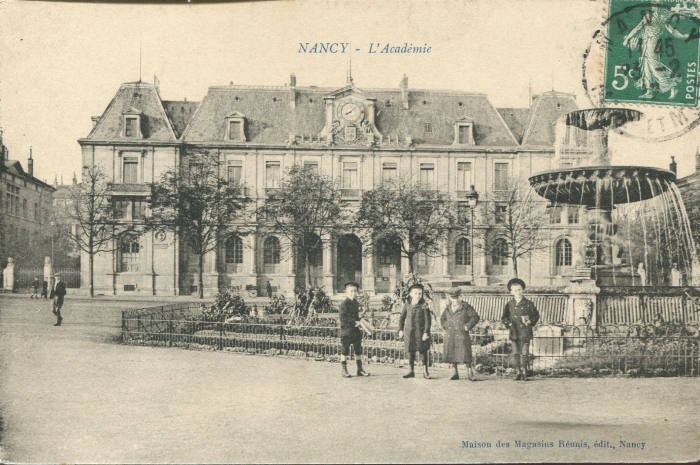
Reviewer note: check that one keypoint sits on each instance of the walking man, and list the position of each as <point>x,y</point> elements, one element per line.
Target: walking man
<point>350,333</point>
<point>520,315</point>
<point>58,292</point>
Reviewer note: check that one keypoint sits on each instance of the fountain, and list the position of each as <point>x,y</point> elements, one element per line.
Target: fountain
<point>637,230</point>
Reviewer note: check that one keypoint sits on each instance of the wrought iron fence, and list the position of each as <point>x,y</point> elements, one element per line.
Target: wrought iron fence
<point>641,350</point>
<point>25,277</point>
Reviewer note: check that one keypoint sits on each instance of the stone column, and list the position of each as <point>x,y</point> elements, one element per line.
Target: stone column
<point>404,264</point>
<point>8,275</point>
<point>48,269</point>
<point>483,278</point>
<point>252,253</point>
<point>446,260</point>
<point>368,275</point>
<point>328,245</point>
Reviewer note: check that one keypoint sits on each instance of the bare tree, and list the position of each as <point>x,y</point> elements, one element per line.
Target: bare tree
<point>413,217</point>
<point>92,212</point>
<point>200,204</point>
<point>307,206</point>
<point>520,219</point>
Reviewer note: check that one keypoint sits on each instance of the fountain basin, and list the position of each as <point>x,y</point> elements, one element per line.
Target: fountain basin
<point>602,186</point>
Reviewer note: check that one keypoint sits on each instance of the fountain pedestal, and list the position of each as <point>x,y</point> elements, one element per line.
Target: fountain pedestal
<point>581,310</point>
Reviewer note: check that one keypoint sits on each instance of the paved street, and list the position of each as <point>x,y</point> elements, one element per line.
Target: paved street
<point>73,394</point>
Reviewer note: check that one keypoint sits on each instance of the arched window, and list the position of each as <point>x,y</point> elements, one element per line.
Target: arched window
<point>130,253</point>
<point>234,250</point>
<point>499,252</point>
<point>463,253</point>
<point>272,251</point>
<point>563,253</point>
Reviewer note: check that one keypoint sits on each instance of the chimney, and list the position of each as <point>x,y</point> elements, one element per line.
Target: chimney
<point>673,166</point>
<point>61,179</point>
<point>30,163</point>
<point>75,179</point>
<point>292,91</point>
<point>404,91</point>
<point>55,180</point>
<point>95,120</point>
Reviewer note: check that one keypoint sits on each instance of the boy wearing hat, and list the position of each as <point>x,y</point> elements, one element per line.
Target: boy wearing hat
<point>415,320</point>
<point>520,315</point>
<point>350,333</point>
<point>457,320</point>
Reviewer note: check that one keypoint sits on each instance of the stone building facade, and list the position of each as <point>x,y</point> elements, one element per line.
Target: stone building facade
<point>450,139</point>
<point>26,208</point>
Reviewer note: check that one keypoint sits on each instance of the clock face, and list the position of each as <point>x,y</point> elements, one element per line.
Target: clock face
<point>352,111</point>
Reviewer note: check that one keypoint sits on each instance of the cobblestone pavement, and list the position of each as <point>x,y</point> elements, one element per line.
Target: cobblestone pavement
<point>74,394</point>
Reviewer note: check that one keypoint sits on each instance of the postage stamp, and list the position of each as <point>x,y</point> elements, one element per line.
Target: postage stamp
<point>652,52</point>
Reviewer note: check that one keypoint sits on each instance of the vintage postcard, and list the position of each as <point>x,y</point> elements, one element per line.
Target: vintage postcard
<point>350,231</point>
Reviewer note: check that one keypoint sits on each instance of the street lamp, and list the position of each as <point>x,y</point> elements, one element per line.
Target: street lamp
<point>472,198</point>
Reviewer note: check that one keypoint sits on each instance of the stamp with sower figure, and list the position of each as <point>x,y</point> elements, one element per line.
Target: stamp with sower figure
<point>652,52</point>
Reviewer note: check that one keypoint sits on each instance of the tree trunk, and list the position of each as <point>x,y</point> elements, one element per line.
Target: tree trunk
<point>200,273</point>
<point>515,267</point>
<point>91,267</point>
<point>308,269</point>
<point>410,263</point>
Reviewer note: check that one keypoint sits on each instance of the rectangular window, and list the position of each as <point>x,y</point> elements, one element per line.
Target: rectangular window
<point>235,171</point>
<point>573,214</point>
<point>500,176</point>
<point>130,127</point>
<point>139,209</point>
<point>464,175</point>
<point>350,180</point>
<point>501,212</point>
<point>427,174</point>
<point>311,165</point>
<point>555,213</point>
<point>273,172</point>
<point>131,170</point>
<point>24,209</point>
<point>120,209</point>
<point>36,211</point>
<point>234,130</point>
<point>389,171</point>
<point>465,134</point>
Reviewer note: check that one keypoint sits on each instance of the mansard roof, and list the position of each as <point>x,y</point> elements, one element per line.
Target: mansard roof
<point>545,111</point>
<point>134,98</point>
<point>270,116</point>
<point>179,113</point>
<point>15,167</point>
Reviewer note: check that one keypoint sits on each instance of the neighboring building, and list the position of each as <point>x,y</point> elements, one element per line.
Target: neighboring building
<point>25,206</point>
<point>451,139</point>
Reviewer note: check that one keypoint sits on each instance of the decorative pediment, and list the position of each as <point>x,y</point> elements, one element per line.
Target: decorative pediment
<point>133,111</point>
<point>464,119</point>
<point>235,114</point>
<point>348,90</point>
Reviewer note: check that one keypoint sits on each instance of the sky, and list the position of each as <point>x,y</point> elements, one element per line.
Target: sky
<point>61,63</point>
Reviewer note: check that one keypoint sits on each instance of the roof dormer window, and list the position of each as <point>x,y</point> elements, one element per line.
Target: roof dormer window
<point>132,124</point>
<point>235,127</point>
<point>464,131</point>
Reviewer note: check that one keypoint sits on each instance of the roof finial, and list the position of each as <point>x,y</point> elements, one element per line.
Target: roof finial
<point>350,70</point>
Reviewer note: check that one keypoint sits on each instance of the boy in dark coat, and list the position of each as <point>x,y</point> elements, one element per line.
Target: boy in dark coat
<point>457,320</point>
<point>350,333</point>
<point>416,320</point>
<point>520,315</point>
<point>57,294</point>
<point>45,289</point>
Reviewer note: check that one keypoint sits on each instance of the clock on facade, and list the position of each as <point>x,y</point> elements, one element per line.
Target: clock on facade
<point>352,112</point>
<point>160,236</point>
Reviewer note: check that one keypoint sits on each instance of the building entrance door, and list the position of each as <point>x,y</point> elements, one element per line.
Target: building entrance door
<point>349,261</point>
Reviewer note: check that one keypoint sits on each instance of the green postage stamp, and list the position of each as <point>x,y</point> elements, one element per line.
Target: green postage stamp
<point>652,52</point>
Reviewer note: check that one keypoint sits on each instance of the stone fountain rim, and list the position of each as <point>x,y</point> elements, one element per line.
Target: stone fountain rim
<point>667,174</point>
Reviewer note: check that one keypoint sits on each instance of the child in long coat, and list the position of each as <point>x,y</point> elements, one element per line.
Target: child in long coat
<point>416,320</point>
<point>457,319</point>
